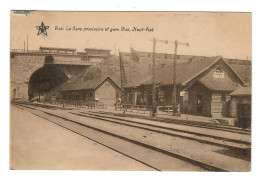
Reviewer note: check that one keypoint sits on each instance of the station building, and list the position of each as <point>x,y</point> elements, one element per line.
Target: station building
<point>203,87</point>
<point>204,84</point>
<point>103,90</point>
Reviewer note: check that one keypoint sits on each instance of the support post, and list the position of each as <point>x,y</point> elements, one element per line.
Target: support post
<point>174,93</point>
<point>153,86</point>
<point>27,43</point>
<point>174,110</point>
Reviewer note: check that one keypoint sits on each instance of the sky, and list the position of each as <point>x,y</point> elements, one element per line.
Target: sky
<point>208,33</point>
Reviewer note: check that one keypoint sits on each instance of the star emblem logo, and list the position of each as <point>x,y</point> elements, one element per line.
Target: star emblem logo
<point>42,29</point>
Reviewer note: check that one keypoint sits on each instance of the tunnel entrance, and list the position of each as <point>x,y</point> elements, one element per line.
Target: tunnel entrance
<point>45,79</point>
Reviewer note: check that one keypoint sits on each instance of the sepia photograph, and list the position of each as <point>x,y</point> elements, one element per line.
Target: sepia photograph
<point>130,91</point>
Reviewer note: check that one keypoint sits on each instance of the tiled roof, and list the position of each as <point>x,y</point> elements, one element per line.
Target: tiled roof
<point>88,84</point>
<point>244,70</point>
<point>242,91</point>
<point>218,84</point>
<point>94,75</point>
<point>141,72</point>
<point>184,71</point>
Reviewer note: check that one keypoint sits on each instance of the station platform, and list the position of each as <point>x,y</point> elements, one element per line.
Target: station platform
<point>37,144</point>
<point>168,115</point>
<point>160,114</point>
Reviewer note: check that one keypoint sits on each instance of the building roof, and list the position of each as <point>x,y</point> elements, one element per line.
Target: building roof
<point>86,49</point>
<point>94,75</point>
<point>244,70</point>
<point>218,84</point>
<point>140,73</point>
<point>185,72</point>
<point>242,91</point>
<point>88,84</point>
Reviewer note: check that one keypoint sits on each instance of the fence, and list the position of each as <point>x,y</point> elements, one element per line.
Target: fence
<point>38,52</point>
<point>134,108</point>
<point>79,103</point>
<point>143,108</point>
<point>165,108</point>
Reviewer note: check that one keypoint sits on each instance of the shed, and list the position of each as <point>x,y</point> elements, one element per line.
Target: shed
<point>103,90</point>
<point>240,102</point>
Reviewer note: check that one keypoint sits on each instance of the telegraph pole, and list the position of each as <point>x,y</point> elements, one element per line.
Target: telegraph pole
<point>122,76</point>
<point>153,86</point>
<point>24,46</point>
<point>154,107</point>
<point>174,96</point>
<point>27,42</point>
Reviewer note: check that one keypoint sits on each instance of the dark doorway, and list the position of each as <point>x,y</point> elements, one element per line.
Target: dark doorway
<point>199,104</point>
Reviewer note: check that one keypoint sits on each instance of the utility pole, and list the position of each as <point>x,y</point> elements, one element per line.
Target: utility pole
<point>153,86</point>
<point>24,46</point>
<point>174,96</point>
<point>27,43</point>
<point>122,76</point>
<point>154,107</point>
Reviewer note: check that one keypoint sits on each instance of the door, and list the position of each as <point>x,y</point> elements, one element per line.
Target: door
<point>199,104</point>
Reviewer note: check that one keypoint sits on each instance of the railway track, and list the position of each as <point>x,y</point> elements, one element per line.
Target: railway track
<point>56,118</point>
<point>107,116</point>
<point>200,137</point>
<point>221,127</point>
<point>185,134</point>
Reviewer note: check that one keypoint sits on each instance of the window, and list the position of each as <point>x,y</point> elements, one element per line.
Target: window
<point>218,73</point>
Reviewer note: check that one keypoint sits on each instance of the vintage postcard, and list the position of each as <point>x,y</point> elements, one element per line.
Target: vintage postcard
<point>130,91</point>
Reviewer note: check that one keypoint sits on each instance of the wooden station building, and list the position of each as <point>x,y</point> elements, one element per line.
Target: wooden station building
<point>101,90</point>
<point>203,87</point>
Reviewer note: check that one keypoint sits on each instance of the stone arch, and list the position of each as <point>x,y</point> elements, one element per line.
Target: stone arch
<point>25,67</point>
<point>44,79</point>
